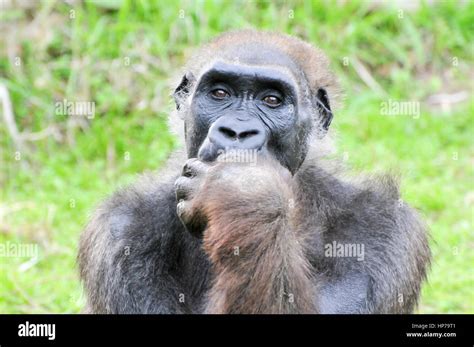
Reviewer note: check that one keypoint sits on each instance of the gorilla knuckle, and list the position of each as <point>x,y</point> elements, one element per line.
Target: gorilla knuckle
<point>194,167</point>
<point>181,208</point>
<point>183,188</point>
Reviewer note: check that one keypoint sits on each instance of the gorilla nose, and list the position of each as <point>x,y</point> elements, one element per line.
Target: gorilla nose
<point>231,134</point>
<point>237,133</point>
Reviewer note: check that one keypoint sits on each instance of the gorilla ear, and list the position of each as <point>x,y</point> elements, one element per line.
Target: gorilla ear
<point>182,90</point>
<point>322,103</point>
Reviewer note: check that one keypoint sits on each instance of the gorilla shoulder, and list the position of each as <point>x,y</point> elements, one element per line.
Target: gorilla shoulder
<point>139,206</point>
<point>140,215</point>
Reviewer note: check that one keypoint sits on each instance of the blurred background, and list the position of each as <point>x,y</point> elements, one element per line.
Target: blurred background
<point>118,58</point>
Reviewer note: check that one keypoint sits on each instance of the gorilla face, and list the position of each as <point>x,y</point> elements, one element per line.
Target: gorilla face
<point>238,107</point>
<point>250,107</point>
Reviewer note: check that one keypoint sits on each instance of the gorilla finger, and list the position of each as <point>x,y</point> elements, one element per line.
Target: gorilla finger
<point>194,167</point>
<point>183,210</point>
<point>183,188</point>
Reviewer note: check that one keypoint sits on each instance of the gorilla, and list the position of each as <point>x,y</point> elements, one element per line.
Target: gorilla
<point>255,217</point>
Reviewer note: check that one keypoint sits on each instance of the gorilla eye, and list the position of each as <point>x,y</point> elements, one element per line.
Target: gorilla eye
<point>220,94</point>
<point>272,101</point>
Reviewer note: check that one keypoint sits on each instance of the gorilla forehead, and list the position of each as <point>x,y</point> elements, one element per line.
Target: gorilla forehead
<point>260,55</point>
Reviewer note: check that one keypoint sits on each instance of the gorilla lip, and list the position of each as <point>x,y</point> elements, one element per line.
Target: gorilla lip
<point>209,152</point>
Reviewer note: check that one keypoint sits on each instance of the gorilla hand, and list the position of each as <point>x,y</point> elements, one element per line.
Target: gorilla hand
<point>187,186</point>
<point>201,183</point>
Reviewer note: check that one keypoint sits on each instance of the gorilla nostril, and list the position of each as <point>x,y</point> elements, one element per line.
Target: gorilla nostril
<point>228,132</point>
<point>245,134</point>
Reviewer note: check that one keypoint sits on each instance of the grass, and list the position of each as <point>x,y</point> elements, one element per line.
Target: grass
<point>121,54</point>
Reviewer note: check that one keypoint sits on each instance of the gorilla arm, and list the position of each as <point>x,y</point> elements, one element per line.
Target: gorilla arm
<point>257,254</point>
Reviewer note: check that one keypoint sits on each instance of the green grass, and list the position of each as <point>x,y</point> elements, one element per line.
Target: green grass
<point>121,55</point>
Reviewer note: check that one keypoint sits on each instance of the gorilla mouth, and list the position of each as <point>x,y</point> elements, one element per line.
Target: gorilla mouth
<point>210,152</point>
